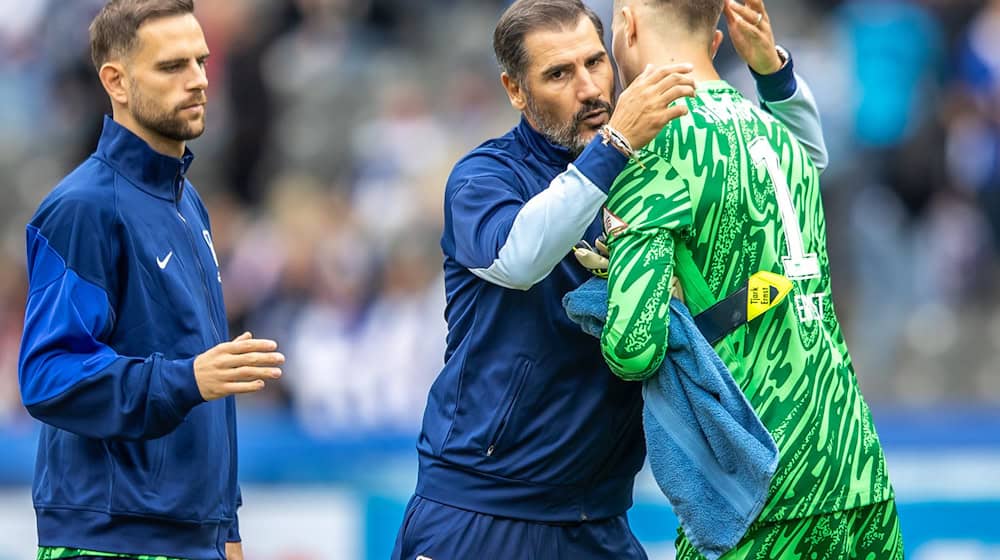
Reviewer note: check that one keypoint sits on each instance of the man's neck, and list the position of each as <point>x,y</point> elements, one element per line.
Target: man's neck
<point>698,56</point>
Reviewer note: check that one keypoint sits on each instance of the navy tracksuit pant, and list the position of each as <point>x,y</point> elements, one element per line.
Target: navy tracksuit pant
<point>433,531</point>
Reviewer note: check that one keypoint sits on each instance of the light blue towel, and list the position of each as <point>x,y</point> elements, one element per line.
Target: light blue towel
<point>709,453</point>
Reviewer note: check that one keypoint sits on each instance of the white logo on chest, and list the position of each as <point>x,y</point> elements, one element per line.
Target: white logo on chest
<point>162,263</point>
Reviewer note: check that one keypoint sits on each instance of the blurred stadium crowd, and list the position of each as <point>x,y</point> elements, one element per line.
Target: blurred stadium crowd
<point>333,125</point>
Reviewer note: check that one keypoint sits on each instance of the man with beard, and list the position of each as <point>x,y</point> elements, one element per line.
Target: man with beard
<point>125,356</point>
<point>530,445</point>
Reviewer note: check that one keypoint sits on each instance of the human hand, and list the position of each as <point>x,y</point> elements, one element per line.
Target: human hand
<point>752,36</point>
<point>234,551</point>
<point>594,259</point>
<point>236,367</point>
<point>644,107</point>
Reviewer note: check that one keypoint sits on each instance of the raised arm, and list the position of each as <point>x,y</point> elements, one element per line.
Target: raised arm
<point>515,241</point>
<point>782,92</point>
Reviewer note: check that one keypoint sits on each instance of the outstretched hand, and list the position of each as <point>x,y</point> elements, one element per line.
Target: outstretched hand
<point>752,36</point>
<point>237,367</point>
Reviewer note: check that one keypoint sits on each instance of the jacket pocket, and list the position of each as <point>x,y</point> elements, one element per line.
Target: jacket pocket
<point>155,478</point>
<point>502,418</point>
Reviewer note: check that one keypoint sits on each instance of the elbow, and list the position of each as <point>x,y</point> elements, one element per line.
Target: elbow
<point>632,369</point>
<point>34,393</point>
<point>630,365</point>
<point>38,411</point>
<point>510,276</point>
<point>821,160</point>
<point>521,282</point>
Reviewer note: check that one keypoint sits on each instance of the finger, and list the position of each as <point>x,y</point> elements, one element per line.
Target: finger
<point>232,361</point>
<point>602,247</point>
<point>747,13</point>
<point>747,28</point>
<point>675,111</point>
<point>727,10</point>
<point>247,373</point>
<point>758,6</point>
<point>242,388</point>
<point>664,87</point>
<point>248,345</point>
<point>590,259</point>
<point>677,92</point>
<point>738,27</point>
<point>675,80</point>
<point>225,346</point>
<point>258,359</point>
<point>733,19</point>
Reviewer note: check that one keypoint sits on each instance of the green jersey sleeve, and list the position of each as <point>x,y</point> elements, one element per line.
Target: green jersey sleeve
<point>634,340</point>
<point>648,208</point>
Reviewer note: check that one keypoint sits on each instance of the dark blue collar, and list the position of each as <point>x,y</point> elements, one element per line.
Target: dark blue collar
<point>157,174</point>
<point>540,145</point>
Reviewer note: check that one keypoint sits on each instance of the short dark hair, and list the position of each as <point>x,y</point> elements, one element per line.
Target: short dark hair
<point>114,31</point>
<point>525,16</point>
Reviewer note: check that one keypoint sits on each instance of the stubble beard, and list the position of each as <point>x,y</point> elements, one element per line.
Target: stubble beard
<point>168,124</point>
<point>573,135</point>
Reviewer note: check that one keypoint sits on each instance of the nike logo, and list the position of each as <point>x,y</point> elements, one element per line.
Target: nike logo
<point>165,261</point>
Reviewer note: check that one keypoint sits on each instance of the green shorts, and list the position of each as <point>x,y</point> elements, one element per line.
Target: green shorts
<point>865,533</point>
<point>59,553</point>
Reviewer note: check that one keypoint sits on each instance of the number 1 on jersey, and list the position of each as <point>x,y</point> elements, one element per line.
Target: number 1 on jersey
<point>798,265</point>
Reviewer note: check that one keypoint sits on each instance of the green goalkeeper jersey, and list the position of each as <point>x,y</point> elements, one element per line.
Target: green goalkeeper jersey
<point>720,194</point>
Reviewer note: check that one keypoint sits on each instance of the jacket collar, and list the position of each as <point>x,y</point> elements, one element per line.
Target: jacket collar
<point>151,171</point>
<point>540,145</point>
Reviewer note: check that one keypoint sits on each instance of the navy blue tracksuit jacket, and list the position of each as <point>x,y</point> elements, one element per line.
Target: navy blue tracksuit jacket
<point>124,292</point>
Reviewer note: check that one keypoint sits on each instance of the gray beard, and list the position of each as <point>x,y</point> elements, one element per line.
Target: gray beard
<point>566,135</point>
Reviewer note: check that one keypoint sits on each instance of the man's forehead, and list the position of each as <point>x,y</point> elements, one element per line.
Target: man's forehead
<point>171,37</point>
<point>546,47</point>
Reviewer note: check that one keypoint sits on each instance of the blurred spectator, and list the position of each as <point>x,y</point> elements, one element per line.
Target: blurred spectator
<point>12,296</point>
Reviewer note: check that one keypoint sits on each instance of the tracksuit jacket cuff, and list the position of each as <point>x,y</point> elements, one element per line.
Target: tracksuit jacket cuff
<point>778,86</point>
<point>178,380</point>
<point>601,163</point>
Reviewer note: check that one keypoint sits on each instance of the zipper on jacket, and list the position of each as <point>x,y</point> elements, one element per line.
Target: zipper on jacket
<point>179,185</point>
<point>512,396</point>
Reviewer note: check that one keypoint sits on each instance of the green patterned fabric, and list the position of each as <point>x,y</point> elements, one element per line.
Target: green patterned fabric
<point>59,553</point>
<point>722,193</point>
<point>868,533</point>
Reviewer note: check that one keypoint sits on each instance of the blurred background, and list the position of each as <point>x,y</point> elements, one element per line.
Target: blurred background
<point>333,125</point>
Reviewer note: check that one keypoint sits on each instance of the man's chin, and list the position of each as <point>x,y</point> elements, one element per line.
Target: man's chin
<point>197,131</point>
<point>193,130</point>
<point>588,134</point>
